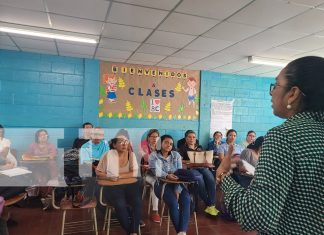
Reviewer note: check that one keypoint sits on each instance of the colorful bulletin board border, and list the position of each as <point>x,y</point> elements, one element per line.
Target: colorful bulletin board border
<point>148,92</point>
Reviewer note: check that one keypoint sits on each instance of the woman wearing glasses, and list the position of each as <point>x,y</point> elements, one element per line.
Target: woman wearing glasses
<point>286,195</point>
<point>120,162</point>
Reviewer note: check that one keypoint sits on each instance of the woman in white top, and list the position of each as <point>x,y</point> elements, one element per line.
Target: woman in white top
<point>7,160</point>
<point>120,162</point>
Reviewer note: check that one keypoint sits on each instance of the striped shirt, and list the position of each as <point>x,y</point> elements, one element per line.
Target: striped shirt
<point>287,193</point>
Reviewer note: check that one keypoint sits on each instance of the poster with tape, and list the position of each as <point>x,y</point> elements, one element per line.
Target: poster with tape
<point>221,116</point>
<point>148,92</point>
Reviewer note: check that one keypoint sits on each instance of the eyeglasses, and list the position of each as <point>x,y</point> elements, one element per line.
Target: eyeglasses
<point>123,142</point>
<point>274,85</point>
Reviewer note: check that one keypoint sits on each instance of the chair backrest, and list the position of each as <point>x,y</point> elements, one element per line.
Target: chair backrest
<point>201,156</point>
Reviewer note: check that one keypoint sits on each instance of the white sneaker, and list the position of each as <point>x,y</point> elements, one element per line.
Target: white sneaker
<point>182,233</point>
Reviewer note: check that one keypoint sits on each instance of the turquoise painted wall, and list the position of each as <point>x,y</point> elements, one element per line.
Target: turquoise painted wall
<point>38,90</point>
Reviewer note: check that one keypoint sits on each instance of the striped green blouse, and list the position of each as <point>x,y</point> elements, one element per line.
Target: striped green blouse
<point>286,195</point>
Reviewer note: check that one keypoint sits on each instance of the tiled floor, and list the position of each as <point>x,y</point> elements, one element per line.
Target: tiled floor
<point>32,220</point>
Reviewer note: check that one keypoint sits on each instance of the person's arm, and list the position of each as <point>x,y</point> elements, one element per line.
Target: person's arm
<point>156,166</point>
<point>259,207</point>
<point>52,153</point>
<point>221,152</point>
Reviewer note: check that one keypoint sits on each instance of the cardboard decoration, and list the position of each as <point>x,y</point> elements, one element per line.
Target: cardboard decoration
<point>148,92</point>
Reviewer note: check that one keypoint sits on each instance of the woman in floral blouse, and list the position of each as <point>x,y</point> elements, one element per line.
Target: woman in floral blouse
<point>286,195</point>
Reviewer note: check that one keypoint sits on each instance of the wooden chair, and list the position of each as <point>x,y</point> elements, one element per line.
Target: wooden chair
<point>165,182</point>
<point>76,226</point>
<point>108,220</point>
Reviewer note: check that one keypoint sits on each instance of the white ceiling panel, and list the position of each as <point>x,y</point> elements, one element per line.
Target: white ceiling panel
<point>118,44</point>
<point>265,13</point>
<point>178,61</point>
<point>232,31</point>
<point>192,54</point>
<point>147,57</point>
<point>94,9</point>
<point>309,22</point>
<point>311,3</point>
<point>208,44</point>
<point>135,16</point>
<point>35,43</point>
<point>309,43</point>
<point>5,40</point>
<point>269,39</point>
<point>187,24</point>
<point>111,59</point>
<point>125,32</point>
<point>235,66</point>
<point>141,62</point>
<point>272,74</point>
<point>36,5</point>
<point>280,53</point>
<point>41,51</point>
<point>24,17</point>
<point>110,53</point>
<point>164,5</point>
<point>65,48</point>
<point>219,9</point>
<point>192,34</point>
<point>176,66</point>
<point>76,25</point>
<point>204,65</point>
<point>157,50</point>
<point>7,47</point>
<point>170,39</point>
<point>258,70</point>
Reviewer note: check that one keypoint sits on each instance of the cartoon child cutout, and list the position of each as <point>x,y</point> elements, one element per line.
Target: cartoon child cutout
<point>111,87</point>
<point>191,90</point>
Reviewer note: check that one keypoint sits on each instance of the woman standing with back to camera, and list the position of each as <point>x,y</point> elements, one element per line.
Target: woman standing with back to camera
<point>287,194</point>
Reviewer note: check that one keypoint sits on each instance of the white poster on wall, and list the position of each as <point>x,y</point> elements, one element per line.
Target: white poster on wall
<point>221,114</point>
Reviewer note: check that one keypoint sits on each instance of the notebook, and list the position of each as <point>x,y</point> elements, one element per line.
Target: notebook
<point>201,157</point>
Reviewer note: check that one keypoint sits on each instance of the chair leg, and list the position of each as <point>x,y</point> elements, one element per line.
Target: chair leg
<point>139,230</point>
<point>63,222</point>
<point>149,204</point>
<point>162,212</point>
<point>95,220</point>
<point>105,219</point>
<point>108,222</point>
<point>196,224</point>
<point>168,228</point>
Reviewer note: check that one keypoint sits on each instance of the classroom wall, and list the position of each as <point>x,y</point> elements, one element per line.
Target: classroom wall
<point>252,102</point>
<point>39,90</point>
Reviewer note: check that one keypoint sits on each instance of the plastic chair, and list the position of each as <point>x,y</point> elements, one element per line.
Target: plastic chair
<point>76,226</point>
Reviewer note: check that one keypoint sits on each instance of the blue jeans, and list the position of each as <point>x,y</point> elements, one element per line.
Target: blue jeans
<point>126,199</point>
<point>179,213</point>
<point>206,186</point>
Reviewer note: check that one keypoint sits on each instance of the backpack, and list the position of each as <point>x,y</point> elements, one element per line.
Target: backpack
<point>80,189</point>
<point>188,175</point>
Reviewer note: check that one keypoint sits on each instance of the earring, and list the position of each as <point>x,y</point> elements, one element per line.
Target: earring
<point>288,106</point>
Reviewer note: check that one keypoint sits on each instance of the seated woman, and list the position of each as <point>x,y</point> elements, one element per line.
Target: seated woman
<point>43,150</point>
<point>207,184</point>
<point>147,147</point>
<point>120,162</point>
<point>163,164</point>
<point>230,140</point>
<point>7,160</point>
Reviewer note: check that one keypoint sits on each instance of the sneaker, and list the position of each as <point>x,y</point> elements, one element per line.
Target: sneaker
<point>211,210</point>
<point>46,202</point>
<point>156,218</point>
<point>142,224</point>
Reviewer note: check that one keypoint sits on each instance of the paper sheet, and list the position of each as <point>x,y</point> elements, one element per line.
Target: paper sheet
<point>15,171</point>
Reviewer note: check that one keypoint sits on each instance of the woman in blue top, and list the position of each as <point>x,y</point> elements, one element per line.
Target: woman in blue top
<point>163,163</point>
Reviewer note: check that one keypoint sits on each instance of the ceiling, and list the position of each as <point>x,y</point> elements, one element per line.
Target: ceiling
<point>215,35</point>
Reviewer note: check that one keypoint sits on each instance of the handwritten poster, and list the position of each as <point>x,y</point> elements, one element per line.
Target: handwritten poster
<point>148,92</point>
<point>221,115</point>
